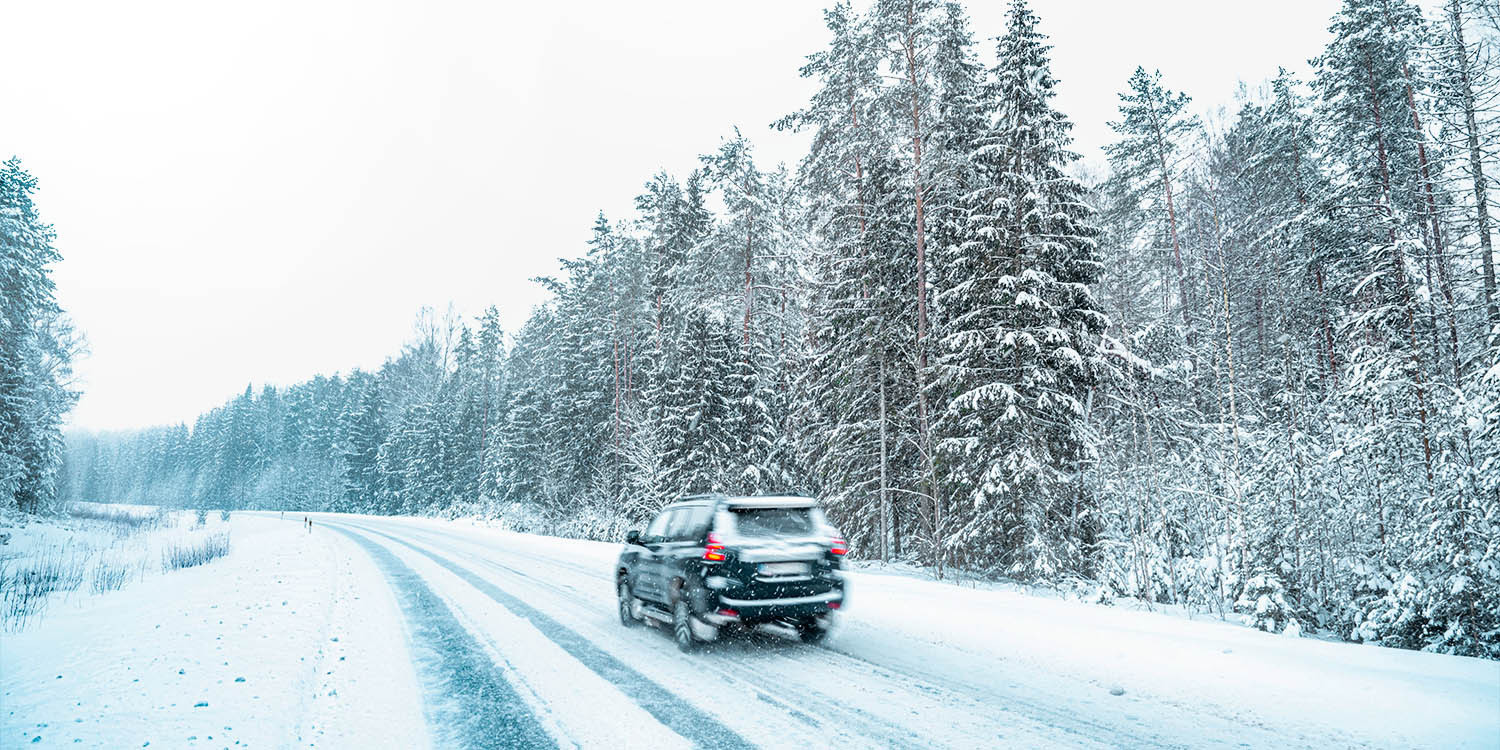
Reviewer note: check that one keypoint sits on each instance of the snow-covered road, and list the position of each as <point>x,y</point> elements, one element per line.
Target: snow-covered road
<point>416,632</point>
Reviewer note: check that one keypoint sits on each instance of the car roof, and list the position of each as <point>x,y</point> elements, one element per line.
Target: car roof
<point>770,501</point>
<point>745,501</point>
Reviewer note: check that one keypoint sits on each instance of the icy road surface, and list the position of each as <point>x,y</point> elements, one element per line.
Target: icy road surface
<point>403,633</point>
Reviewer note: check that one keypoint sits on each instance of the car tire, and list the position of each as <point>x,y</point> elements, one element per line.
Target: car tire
<point>812,630</point>
<point>682,626</point>
<point>627,603</point>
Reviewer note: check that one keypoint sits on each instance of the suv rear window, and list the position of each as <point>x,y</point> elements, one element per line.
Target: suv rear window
<point>689,523</point>
<point>765,522</point>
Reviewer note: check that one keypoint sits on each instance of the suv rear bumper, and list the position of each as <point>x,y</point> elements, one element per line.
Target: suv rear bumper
<point>770,609</point>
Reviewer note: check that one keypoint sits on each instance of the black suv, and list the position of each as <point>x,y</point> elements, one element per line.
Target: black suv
<point>711,560</point>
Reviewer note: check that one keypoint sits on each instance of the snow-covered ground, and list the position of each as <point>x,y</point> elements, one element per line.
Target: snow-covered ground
<point>395,632</point>
<point>249,650</point>
<point>98,549</point>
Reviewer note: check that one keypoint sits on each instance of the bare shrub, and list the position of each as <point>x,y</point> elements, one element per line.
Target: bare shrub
<point>26,583</point>
<point>111,576</point>
<point>201,516</point>
<point>188,554</point>
<point>223,515</point>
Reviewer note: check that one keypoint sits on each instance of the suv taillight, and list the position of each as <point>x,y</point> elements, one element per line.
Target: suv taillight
<point>838,546</point>
<point>713,549</point>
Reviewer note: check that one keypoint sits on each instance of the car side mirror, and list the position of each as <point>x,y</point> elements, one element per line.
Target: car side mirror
<point>632,537</point>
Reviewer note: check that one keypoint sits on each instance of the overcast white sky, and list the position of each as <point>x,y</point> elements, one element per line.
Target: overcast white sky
<point>258,192</point>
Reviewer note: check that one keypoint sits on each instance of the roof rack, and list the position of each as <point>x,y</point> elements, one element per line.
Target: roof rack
<point>771,501</point>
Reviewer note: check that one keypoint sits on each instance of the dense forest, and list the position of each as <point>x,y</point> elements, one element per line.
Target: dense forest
<point>1253,368</point>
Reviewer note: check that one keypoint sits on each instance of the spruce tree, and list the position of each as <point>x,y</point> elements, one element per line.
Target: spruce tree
<point>1021,351</point>
<point>363,432</point>
<point>36,348</point>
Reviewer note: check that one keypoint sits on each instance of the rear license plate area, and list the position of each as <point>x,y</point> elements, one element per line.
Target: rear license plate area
<point>783,569</point>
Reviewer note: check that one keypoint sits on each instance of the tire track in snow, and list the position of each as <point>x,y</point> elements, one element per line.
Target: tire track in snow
<point>730,667</point>
<point>469,702</point>
<point>665,706</point>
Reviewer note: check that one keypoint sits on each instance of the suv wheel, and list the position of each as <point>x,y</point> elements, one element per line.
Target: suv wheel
<point>812,630</point>
<point>682,626</point>
<point>627,604</point>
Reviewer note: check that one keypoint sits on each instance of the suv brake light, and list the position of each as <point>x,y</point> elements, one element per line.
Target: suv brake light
<point>839,546</point>
<point>713,550</point>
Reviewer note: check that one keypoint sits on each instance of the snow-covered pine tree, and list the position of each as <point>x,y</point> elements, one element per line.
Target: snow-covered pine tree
<point>491,400</point>
<point>1020,353</point>
<point>1146,162</point>
<point>747,233</point>
<point>462,426</point>
<point>701,422</point>
<point>36,349</point>
<point>526,440</point>
<point>362,431</point>
<point>673,222</point>
<point>1158,403</point>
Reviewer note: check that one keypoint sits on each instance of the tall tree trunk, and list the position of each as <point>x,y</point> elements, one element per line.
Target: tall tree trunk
<point>749,260</point>
<point>1234,422</point>
<point>1183,296</point>
<point>885,498</point>
<point>924,435</point>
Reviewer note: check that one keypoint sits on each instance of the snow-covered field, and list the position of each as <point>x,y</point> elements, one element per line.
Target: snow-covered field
<point>396,632</point>
<point>99,548</point>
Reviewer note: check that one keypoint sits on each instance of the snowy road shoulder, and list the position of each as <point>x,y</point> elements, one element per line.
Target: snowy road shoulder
<point>238,651</point>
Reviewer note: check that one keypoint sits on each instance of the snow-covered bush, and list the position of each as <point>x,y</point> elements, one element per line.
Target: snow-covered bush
<point>1394,619</point>
<point>1263,605</point>
<point>1451,614</point>
<point>188,554</point>
<point>1092,592</point>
